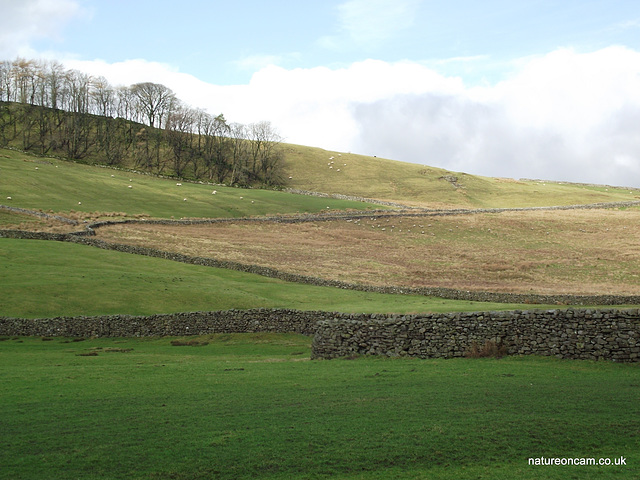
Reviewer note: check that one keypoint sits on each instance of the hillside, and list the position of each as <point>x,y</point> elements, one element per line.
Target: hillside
<point>52,184</point>
<point>31,182</point>
<point>319,170</point>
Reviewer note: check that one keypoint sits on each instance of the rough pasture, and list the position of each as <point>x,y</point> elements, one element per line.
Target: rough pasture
<point>571,252</point>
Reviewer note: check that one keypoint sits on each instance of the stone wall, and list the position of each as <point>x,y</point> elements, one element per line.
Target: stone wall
<point>573,334</point>
<point>576,334</point>
<point>175,324</point>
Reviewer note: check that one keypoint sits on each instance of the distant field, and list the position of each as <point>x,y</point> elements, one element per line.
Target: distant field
<point>421,185</point>
<point>588,252</point>
<point>60,186</point>
<point>48,279</point>
<point>67,187</point>
<point>254,407</point>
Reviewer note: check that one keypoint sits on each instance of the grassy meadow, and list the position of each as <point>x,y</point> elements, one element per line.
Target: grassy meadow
<point>64,187</point>
<point>253,406</point>
<point>420,185</point>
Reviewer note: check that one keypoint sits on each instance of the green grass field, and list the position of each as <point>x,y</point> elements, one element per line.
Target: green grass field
<point>47,279</point>
<point>254,407</point>
<point>61,186</point>
<point>379,178</point>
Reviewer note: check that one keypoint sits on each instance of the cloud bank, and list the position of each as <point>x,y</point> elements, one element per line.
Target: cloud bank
<point>561,116</point>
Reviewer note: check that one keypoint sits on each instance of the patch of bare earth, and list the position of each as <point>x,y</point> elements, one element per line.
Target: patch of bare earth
<point>573,252</point>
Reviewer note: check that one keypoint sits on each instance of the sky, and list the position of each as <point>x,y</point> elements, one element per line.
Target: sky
<point>522,89</point>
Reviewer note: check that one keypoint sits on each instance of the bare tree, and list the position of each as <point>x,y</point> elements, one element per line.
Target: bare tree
<point>179,132</point>
<point>239,153</point>
<point>154,101</point>
<point>265,153</point>
<point>216,147</point>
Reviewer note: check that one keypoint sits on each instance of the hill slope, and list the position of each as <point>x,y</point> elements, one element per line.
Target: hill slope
<point>44,183</point>
<point>326,171</point>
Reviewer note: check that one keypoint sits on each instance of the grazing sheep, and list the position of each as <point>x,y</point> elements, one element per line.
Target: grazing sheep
<point>214,192</point>
<point>130,186</point>
<point>184,199</point>
<point>79,203</point>
<point>8,198</point>
<point>178,184</point>
<point>36,168</point>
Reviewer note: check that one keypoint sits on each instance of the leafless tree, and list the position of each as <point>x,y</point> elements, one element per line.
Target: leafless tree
<point>179,132</point>
<point>264,152</point>
<point>154,101</point>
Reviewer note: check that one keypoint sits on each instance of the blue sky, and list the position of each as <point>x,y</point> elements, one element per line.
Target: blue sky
<point>544,89</point>
<point>222,42</point>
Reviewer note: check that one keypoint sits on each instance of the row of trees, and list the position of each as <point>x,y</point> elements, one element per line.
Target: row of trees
<point>48,109</point>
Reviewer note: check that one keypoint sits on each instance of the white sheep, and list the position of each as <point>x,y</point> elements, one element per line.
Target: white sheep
<point>184,199</point>
<point>130,186</point>
<point>178,184</point>
<point>214,192</point>
<point>8,198</point>
<point>79,203</point>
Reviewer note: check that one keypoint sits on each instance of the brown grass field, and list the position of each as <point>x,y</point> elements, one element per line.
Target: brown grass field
<point>546,252</point>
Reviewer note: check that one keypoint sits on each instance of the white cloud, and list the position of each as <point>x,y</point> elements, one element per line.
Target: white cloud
<point>25,21</point>
<point>366,23</point>
<point>564,115</point>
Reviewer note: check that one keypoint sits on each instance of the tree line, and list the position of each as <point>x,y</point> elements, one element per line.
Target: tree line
<point>50,110</point>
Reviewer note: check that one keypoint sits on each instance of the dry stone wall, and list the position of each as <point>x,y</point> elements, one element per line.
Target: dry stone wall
<point>576,334</point>
<point>572,334</point>
<point>175,324</point>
